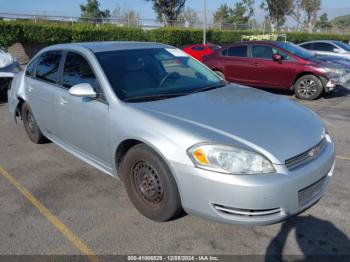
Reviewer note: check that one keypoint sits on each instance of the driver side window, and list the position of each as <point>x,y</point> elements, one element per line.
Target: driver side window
<point>77,71</point>
<point>262,52</point>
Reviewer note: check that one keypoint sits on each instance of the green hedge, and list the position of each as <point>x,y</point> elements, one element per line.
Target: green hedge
<point>51,33</point>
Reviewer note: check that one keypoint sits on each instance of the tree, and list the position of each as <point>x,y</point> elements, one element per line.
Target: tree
<point>342,22</point>
<point>277,11</point>
<point>240,14</point>
<point>168,10</point>
<point>222,15</point>
<point>189,17</point>
<point>92,11</point>
<point>323,22</point>
<point>125,17</point>
<point>296,13</point>
<point>311,8</point>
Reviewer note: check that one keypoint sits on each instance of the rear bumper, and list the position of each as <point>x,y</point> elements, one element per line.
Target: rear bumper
<point>254,199</point>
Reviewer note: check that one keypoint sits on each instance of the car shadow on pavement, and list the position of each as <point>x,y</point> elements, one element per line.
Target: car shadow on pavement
<point>315,237</point>
<point>3,97</point>
<point>340,92</point>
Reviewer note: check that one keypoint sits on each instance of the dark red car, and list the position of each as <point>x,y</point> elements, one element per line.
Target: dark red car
<point>280,65</point>
<point>199,50</point>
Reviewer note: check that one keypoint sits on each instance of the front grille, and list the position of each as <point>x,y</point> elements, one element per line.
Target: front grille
<point>307,156</point>
<point>312,193</point>
<point>248,212</point>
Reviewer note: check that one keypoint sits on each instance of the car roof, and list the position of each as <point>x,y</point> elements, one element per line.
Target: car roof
<point>109,46</point>
<point>321,41</point>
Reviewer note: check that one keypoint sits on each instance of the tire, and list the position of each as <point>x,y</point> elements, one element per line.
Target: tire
<point>308,87</point>
<point>150,185</point>
<point>30,125</point>
<point>221,74</point>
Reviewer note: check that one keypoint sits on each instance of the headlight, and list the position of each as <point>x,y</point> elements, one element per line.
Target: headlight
<point>228,159</point>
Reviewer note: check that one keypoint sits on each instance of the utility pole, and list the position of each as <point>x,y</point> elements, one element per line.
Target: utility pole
<point>205,22</point>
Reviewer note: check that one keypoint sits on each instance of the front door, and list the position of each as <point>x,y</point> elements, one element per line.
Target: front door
<point>82,123</point>
<point>269,73</point>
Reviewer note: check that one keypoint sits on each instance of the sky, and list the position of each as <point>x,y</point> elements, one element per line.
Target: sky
<point>71,7</point>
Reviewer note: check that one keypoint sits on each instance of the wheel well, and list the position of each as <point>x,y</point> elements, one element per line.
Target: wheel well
<point>122,149</point>
<point>301,75</point>
<point>19,106</point>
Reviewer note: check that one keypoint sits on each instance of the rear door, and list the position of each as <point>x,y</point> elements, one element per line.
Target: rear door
<point>268,73</point>
<point>41,79</point>
<point>236,64</point>
<point>82,123</point>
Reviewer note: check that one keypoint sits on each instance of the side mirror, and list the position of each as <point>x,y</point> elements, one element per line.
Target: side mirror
<point>82,90</point>
<point>277,58</point>
<point>337,50</point>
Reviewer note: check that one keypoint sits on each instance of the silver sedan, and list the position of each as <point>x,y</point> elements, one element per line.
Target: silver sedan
<point>179,137</point>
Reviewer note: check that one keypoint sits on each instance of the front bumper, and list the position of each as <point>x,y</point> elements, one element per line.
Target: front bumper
<point>254,199</point>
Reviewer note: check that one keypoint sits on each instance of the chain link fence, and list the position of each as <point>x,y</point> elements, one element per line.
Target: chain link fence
<point>136,21</point>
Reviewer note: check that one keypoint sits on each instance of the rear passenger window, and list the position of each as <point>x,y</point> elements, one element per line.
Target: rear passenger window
<point>238,51</point>
<point>48,66</point>
<point>224,52</point>
<point>307,46</point>
<point>77,70</point>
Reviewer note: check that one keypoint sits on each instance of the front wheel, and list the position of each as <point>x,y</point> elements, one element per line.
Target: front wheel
<point>150,185</point>
<point>308,87</point>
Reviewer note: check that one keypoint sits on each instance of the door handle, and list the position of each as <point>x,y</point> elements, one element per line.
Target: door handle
<point>30,88</point>
<point>255,64</point>
<point>62,101</point>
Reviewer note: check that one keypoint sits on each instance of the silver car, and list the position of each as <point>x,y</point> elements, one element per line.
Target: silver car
<point>179,137</point>
<point>328,47</point>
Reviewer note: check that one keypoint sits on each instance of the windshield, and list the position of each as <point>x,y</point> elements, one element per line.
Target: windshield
<point>157,73</point>
<point>295,50</point>
<point>343,45</point>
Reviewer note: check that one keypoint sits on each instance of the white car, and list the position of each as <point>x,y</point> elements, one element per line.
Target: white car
<point>8,68</point>
<point>328,47</point>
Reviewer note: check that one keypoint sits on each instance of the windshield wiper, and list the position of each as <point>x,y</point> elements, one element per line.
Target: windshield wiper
<point>152,97</point>
<point>210,87</point>
<point>171,95</point>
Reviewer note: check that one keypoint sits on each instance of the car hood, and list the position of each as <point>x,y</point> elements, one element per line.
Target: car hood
<point>275,126</point>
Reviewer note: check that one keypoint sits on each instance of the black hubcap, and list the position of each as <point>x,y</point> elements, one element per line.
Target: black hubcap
<point>147,183</point>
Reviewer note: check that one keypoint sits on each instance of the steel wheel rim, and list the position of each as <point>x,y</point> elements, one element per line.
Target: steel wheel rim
<point>307,87</point>
<point>147,183</point>
<point>31,122</point>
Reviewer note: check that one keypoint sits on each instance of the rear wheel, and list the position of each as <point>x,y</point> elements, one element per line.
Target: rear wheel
<point>219,73</point>
<point>32,129</point>
<point>308,87</point>
<point>150,184</point>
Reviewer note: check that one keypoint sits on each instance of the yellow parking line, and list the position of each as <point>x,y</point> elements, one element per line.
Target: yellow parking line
<point>83,248</point>
<point>343,158</point>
